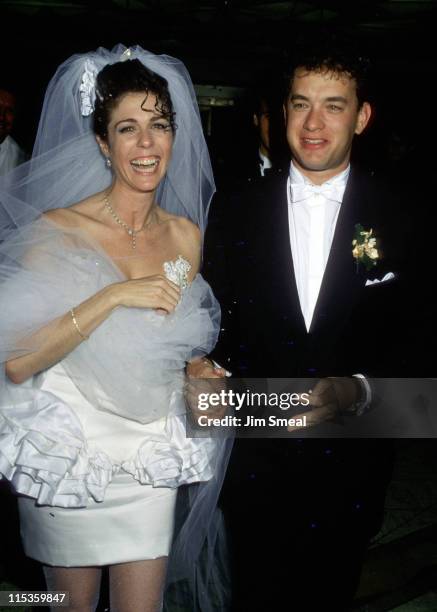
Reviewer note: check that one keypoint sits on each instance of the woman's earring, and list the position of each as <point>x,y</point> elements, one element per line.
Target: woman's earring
<point>108,162</point>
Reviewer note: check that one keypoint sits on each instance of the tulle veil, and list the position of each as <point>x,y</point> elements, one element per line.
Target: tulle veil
<point>67,166</point>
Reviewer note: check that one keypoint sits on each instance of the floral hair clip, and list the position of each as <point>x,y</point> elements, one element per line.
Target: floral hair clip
<point>87,88</point>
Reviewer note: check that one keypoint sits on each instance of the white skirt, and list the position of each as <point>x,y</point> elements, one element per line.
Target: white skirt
<point>133,523</point>
<point>95,488</point>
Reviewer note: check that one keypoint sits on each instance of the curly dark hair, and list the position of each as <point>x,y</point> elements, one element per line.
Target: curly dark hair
<point>332,53</point>
<point>116,80</point>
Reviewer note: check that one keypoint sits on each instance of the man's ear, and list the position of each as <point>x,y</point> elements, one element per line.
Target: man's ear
<point>363,118</point>
<point>255,120</point>
<point>284,110</point>
<point>103,146</point>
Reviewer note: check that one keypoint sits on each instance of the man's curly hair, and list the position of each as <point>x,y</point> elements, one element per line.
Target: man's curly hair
<point>332,53</point>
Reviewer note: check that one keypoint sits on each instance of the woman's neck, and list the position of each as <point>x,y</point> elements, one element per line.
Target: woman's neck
<point>135,209</point>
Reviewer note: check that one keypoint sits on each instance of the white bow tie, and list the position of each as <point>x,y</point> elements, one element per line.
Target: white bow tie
<point>303,191</point>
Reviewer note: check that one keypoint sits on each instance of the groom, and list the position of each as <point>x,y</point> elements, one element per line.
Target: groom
<point>297,302</point>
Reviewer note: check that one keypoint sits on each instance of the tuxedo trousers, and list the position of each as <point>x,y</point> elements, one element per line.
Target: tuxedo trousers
<point>300,518</point>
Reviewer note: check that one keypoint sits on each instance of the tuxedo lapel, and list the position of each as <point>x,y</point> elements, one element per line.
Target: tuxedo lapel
<point>277,260</point>
<point>340,281</point>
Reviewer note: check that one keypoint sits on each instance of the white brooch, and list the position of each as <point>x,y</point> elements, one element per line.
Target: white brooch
<point>177,271</point>
<point>87,88</point>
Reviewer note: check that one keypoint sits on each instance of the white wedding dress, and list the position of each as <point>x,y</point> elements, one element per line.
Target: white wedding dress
<point>96,445</point>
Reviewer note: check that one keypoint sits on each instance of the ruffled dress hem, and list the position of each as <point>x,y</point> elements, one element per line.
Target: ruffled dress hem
<point>45,455</point>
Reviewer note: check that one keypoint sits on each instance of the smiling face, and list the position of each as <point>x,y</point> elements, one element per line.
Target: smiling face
<point>139,142</point>
<point>322,116</point>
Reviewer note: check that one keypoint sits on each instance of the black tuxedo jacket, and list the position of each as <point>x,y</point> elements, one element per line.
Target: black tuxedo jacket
<point>355,328</point>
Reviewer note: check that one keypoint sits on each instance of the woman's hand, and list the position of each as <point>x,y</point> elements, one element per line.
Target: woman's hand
<point>149,292</point>
<point>203,381</point>
<point>204,368</point>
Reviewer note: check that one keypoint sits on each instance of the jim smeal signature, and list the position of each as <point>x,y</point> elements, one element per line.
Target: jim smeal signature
<point>251,421</point>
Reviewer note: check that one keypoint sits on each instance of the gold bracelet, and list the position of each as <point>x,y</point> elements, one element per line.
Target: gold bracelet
<point>75,323</point>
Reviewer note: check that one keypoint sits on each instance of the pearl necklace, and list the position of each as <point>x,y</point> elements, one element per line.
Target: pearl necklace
<point>130,230</point>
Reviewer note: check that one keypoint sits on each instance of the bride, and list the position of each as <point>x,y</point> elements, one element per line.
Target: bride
<point>102,308</point>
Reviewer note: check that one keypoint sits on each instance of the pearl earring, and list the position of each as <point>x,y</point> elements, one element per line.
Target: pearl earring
<point>108,162</point>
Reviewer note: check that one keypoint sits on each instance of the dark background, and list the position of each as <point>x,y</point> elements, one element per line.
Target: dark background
<point>235,42</point>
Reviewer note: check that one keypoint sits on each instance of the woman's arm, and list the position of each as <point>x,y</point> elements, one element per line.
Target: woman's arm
<point>60,337</point>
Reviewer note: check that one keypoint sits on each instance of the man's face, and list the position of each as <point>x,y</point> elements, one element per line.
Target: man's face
<point>322,116</point>
<point>7,113</point>
<point>262,121</point>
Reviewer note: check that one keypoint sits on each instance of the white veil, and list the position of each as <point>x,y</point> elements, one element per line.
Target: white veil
<point>67,166</point>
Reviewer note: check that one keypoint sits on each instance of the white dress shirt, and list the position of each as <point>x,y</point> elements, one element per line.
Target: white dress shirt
<point>312,217</point>
<point>264,163</point>
<point>11,155</point>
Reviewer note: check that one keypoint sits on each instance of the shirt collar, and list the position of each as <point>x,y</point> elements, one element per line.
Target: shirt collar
<point>339,180</point>
<point>264,161</point>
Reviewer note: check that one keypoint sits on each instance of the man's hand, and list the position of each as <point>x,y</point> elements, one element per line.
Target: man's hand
<point>329,399</point>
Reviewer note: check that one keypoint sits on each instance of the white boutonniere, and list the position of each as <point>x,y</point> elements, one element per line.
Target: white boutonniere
<point>364,247</point>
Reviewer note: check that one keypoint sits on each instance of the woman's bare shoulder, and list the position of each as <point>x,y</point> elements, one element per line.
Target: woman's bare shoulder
<point>184,228</point>
<point>76,215</point>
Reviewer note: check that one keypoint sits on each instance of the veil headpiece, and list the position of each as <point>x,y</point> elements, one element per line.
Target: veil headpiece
<point>67,165</point>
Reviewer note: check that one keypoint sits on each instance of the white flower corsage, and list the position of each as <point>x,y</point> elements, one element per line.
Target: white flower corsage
<point>364,247</point>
